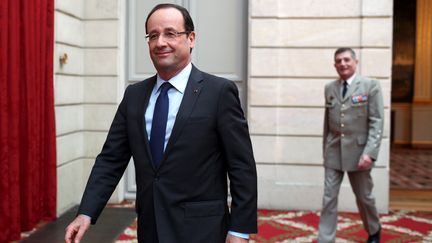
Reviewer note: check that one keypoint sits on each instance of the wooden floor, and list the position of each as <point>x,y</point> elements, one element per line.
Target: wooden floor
<point>410,168</point>
<point>410,179</point>
<point>110,225</point>
<point>419,200</point>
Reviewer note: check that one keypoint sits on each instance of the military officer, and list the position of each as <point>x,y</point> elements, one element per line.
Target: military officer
<point>353,125</point>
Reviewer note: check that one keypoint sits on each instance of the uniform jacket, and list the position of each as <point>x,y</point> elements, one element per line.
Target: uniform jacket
<point>352,125</point>
<point>185,198</point>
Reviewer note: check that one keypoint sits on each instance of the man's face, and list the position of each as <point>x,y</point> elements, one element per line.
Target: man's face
<point>169,55</point>
<point>345,65</point>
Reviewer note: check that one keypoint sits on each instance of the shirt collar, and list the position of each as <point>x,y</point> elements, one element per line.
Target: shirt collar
<point>179,81</point>
<point>350,80</point>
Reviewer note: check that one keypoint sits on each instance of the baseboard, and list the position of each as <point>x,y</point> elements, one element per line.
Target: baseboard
<point>421,144</point>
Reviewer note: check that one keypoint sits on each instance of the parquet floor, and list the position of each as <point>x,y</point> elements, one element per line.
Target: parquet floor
<point>411,179</point>
<point>411,168</point>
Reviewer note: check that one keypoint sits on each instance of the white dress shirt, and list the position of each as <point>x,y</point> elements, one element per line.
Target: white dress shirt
<point>349,82</point>
<point>175,96</point>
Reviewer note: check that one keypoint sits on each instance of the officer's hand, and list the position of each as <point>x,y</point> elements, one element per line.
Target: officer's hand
<point>365,162</point>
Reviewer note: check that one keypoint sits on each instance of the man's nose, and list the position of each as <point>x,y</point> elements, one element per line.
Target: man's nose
<point>161,40</point>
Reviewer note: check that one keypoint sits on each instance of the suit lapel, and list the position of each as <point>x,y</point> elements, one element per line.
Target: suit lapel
<point>192,91</point>
<point>142,107</point>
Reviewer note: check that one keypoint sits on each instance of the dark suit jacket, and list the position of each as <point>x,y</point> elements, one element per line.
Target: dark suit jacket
<point>185,199</point>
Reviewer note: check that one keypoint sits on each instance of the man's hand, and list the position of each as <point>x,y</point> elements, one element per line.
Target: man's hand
<point>234,239</point>
<point>75,231</point>
<point>364,162</point>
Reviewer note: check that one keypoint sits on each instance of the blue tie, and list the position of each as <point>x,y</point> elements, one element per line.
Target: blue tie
<point>160,115</point>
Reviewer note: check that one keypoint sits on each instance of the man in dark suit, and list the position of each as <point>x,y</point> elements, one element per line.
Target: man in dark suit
<point>353,126</point>
<point>181,174</point>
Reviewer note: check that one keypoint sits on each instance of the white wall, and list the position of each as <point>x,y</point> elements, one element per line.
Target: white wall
<point>86,89</point>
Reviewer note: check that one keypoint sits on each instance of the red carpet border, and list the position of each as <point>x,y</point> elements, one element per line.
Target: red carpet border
<point>302,226</point>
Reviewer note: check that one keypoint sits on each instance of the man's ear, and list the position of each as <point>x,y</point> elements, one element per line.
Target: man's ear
<point>191,38</point>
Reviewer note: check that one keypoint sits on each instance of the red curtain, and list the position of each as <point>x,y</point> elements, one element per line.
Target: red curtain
<point>27,125</point>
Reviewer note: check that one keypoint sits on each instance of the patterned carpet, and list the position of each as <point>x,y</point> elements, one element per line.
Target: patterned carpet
<point>301,226</point>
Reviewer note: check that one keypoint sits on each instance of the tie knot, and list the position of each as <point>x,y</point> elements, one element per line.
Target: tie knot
<point>165,87</point>
<point>345,83</point>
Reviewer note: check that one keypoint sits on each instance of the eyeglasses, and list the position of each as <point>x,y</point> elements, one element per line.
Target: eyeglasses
<point>168,36</point>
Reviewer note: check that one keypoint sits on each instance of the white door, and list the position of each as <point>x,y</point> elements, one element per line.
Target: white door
<point>221,46</point>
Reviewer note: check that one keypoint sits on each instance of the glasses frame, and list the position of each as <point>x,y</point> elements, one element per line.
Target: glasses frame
<point>166,35</point>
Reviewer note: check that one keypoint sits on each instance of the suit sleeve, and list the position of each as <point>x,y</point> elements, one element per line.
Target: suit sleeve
<point>236,143</point>
<point>375,119</point>
<point>109,166</point>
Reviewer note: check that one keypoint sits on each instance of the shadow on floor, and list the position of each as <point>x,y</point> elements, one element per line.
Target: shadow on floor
<point>109,226</point>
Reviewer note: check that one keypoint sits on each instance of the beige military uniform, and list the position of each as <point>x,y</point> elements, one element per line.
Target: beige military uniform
<point>353,126</point>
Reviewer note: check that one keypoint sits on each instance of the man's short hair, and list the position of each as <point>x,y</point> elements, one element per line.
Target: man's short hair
<point>188,23</point>
<point>344,49</point>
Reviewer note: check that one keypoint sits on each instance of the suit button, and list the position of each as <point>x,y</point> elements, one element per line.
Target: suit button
<point>156,178</point>
<point>343,105</point>
<point>342,135</point>
<point>342,125</point>
<point>342,115</point>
